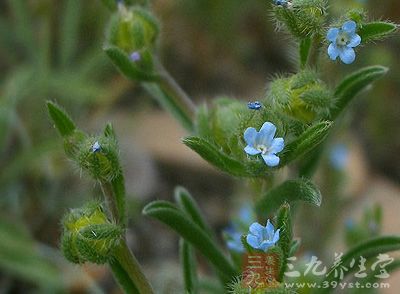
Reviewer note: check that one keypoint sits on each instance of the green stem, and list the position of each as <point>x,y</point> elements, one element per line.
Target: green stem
<point>314,51</point>
<point>128,272</point>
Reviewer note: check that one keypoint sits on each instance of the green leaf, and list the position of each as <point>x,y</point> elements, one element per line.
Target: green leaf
<point>170,104</point>
<point>370,248</point>
<point>304,47</point>
<point>216,157</point>
<point>376,31</point>
<point>122,61</point>
<point>62,121</point>
<point>352,84</point>
<point>284,223</point>
<point>190,207</point>
<point>170,215</point>
<point>306,142</point>
<point>189,266</point>
<point>290,191</point>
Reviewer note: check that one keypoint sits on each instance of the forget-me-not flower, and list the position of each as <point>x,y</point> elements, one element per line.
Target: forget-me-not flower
<point>234,242</point>
<point>343,41</point>
<point>261,237</point>
<point>135,56</point>
<point>96,147</point>
<point>264,143</point>
<point>256,105</point>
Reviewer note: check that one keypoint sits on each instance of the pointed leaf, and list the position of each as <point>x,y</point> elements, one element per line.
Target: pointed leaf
<point>352,84</point>
<point>376,31</point>
<point>216,157</point>
<point>306,142</point>
<point>189,205</point>
<point>290,191</point>
<point>189,266</point>
<point>170,215</point>
<point>62,121</point>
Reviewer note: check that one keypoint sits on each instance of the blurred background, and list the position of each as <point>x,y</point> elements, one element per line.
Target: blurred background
<point>52,50</point>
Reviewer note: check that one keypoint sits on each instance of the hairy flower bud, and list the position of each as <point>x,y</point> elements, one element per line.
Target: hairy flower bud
<point>88,235</point>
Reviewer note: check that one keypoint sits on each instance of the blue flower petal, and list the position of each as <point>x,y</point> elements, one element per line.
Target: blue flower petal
<point>256,229</point>
<point>347,55</point>
<point>265,245</point>
<point>269,229</point>
<point>276,236</point>
<point>349,27</point>
<point>250,136</point>
<point>270,159</point>
<point>251,150</point>
<point>266,134</point>
<point>333,51</point>
<point>332,34</point>
<point>277,145</point>
<point>355,40</point>
<point>253,241</point>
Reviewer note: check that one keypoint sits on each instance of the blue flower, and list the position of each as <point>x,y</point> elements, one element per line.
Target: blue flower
<point>263,143</point>
<point>338,156</point>
<point>343,41</point>
<point>234,242</point>
<point>283,3</point>
<point>262,237</point>
<point>96,147</point>
<point>135,56</point>
<point>256,105</point>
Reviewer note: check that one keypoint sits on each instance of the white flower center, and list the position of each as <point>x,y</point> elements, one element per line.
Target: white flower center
<point>264,149</point>
<point>342,39</point>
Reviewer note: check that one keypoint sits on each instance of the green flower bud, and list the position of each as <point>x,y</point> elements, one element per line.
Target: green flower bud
<point>99,157</point>
<point>133,29</point>
<point>303,97</point>
<point>89,236</point>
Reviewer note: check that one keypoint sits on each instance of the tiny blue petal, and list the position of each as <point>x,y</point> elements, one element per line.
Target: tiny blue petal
<point>270,159</point>
<point>256,105</point>
<point>349,27</point>
<point>96,147</point>
<point>347,55</point>
<point>332,34</point>
<point>135,56</point>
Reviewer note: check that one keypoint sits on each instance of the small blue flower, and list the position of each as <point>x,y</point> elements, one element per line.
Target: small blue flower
<point>135,56</point>
<point>283,3</point>
<point>256,105</point>
<point>96,147</point>
<point>234,242</point>
<point>338,156</point>
<point>263,143</point>
<point>343,41</point>
<point>262,237</point>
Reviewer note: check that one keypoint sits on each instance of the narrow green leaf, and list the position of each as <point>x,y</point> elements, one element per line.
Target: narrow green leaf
<point>304,49</point>
<point>170,215</point>
<point>62,121</point>
<point>306,142</point>
<point>216,157</point>
<point>290,191</point>
<point>352,84</point>
<point>189,206</point>
<point>127,67</point>
<point>170,105</point>
<point>370,248</point>
<point>374,31</point>
<point>284,223</point>
<point>188,266</point>
<point>69,31</point>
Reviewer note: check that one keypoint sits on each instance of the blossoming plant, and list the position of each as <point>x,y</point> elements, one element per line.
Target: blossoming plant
<point>288,127</point>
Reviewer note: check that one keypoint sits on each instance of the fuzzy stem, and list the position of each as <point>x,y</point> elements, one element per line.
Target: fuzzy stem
<point>128,272</point>
<point>314,51</point>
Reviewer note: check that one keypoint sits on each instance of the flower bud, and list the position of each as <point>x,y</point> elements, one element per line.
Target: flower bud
<point>88,235</point>
<point>99,157</point>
